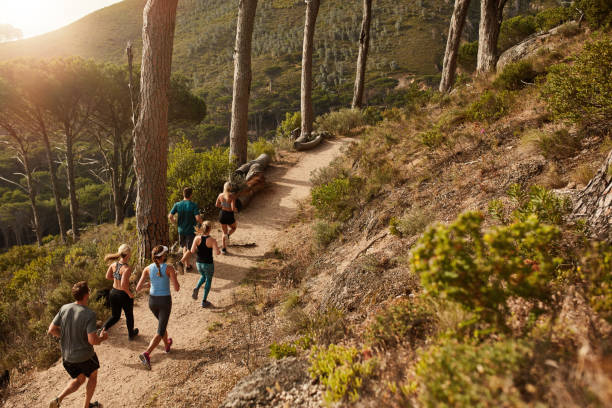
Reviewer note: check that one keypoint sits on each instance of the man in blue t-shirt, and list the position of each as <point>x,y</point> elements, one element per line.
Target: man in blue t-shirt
<point>186,215</point>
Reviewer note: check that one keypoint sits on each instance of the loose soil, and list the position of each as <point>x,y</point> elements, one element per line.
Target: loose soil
<point>195,372</point>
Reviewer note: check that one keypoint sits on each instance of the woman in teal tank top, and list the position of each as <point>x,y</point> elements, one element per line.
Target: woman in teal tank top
<point>160,301</point>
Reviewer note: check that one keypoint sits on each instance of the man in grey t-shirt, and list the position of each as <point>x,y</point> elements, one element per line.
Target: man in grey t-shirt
<point>75,325</point>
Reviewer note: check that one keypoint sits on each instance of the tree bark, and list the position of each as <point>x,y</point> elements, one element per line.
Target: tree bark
<point>56,196</point>
<point>32,197</point>
<point>455,30</point>
<point>151,131</point>
<point>72,199</point>
<point>362,58</point>
<point>595,202</point>
<point>307,111</point>
<point>242,81</point>
<point>491,16</point>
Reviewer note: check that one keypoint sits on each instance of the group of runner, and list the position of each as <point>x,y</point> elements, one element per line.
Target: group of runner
<point>75,323</point>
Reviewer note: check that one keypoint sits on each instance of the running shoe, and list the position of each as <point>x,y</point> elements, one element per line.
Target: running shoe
<point>55,403</point>
<point>169,345</point>
<point>224,251</point>
<point>145,360</point>
<point>133,335</point>
<point>206,304</point>
<point>194,294</point>
<point>95,405</point>
<point>189,267</point>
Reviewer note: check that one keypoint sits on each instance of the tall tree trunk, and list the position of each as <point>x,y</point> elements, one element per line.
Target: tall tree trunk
<point>242,81</point>
<point>455,30</point>
<point>595,202</point>
<point>307,111</point>
<point>32,197</point>
<point>54,184</point>
<point>74,204</point>
<point>491,15</point>
<point>151,131</point>
<point>362,58</point>
<point>116,185</point>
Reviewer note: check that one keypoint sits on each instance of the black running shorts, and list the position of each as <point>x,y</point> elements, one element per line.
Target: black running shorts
<point>186,240</point>
<point>85,367</point>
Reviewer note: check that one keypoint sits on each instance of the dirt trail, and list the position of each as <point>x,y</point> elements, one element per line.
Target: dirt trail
<point>122,381</point>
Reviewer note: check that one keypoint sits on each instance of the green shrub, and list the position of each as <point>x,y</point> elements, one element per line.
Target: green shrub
<point>481,271</point>
<point>432,138</point>
<point>205,172</point>
<point>325,175</point>
<point>598,13</point>
<point>292,121</point>
<point>582,92</point>
<point>596,273</point>
<point>337,199</point>
<point>282,350</point>
<point>452,374</point>
<point>467,55</point>
<point>326,232</point>
<point>514,30</point>
<point>515,76</point>
<point>340,122</point>
<point>552,17</point>
<point>325,327</point>
<point>490,106</point>
<point>544,204</point>
<point>341,371</point>
<point>261,146</point>
<point>404,321</point>
<point>559,145</point>
<point>411,223</point>
<point>372,115</point>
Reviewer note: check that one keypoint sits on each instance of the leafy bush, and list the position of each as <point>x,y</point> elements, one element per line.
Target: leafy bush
<point>514,30</point>
<point>340,122</point>
<point>472,375</point>
<point>582,92</point>
<point>490,106</point>
<point>432,138</point>
<point>411,223</point>
<point>515,76</point>
<point>326,232</point>
<point>598,13</point>
<point>325,327</point>
<point>596,273</point>
<point>404,321</point>
<point>261,146</point>
<point>205,172</point>
<point>481,271</point>
<point>372,115</point>
<point>559,145</point>
<point>282,350</point>
<point>341,371</point>
<point>552,17</point>
<point>467,55</point>
<point>291,122</point>
<point>337,199</point>
<point>538,201</point>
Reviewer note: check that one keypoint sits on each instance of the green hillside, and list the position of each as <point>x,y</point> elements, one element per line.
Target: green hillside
<point>407,37</point>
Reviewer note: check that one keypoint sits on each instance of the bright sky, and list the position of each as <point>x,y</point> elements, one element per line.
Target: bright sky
<point>35,17</point>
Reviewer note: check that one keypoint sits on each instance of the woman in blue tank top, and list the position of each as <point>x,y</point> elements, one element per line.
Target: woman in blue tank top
<point>160,301</point>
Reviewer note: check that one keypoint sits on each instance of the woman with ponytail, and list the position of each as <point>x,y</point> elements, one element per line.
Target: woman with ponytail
<point>160,301</point>
<point>203,245</point>
<point>121,297</point>
<point>226,201</point>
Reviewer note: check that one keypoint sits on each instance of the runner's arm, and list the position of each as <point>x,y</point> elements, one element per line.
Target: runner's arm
<point>54,330</point>
<point>125,282</point>
<point>215,246</point>
<point>172,274</point>
<point>234,209</point>
<point>94,338</point>
<point>145,274</point>
<point>218,203</point>
<point>109,272</point>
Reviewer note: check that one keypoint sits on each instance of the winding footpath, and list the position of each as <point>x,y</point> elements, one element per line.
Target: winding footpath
<point>122,380</point>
